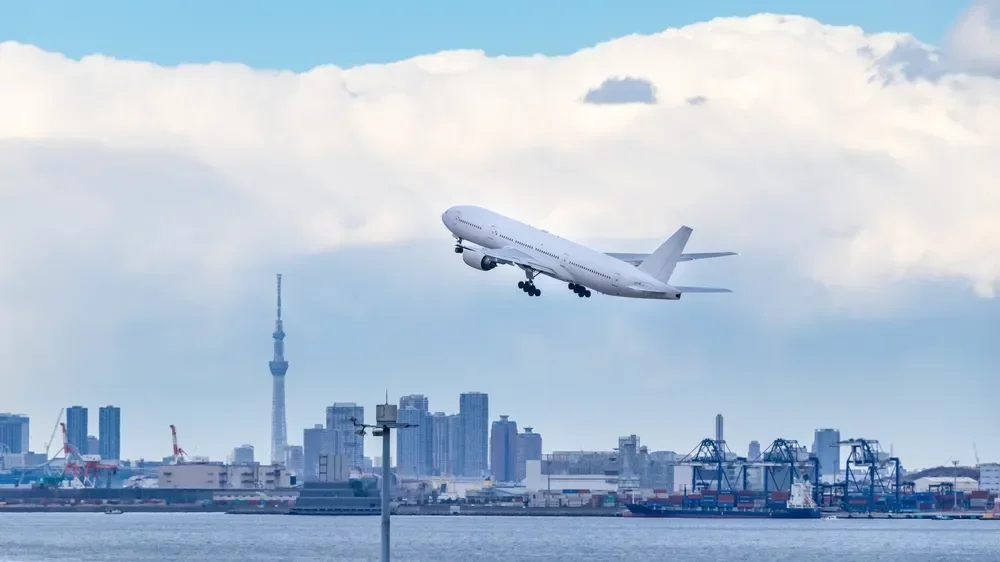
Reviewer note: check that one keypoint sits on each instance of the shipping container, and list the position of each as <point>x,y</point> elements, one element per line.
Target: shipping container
<point>726,498</point>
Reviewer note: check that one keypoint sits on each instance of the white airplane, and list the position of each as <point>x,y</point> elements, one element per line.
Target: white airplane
<point>502,240</point>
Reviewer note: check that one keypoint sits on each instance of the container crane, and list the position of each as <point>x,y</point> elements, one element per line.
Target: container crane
<point>179,453</point>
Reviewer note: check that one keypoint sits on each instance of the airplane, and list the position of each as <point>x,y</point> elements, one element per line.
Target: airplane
<point>500,240</point>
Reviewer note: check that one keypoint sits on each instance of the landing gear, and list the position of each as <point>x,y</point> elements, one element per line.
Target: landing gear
<point>529,285</point>
<point>529,288</point>
<point>458,246</point>
<point>580,290</point>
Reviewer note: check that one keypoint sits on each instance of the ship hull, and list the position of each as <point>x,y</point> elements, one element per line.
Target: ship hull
<point>638,510</point>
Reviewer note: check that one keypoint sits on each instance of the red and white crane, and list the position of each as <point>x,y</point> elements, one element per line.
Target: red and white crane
<point>179,453</point>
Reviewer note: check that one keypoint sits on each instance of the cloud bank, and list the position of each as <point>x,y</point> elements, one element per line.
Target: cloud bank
<point>801,154</point>
<point>137,199</point>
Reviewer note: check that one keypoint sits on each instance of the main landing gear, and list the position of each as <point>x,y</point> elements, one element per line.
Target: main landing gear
<point>529,285</point>
<point>579,290</point>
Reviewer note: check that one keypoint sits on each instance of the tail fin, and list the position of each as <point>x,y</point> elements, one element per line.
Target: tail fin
<point>661,263</point>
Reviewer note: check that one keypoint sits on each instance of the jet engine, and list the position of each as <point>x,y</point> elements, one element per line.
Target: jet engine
<point>476,260</point>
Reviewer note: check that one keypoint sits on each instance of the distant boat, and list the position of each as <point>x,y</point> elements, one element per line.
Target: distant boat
<point>113,511</point>
<point>799,506</point>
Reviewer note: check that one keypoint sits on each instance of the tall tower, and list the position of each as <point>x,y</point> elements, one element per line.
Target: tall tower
<point>279,432</point>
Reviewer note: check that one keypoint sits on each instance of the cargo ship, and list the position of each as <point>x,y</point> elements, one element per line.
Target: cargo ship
<point>800,505</point>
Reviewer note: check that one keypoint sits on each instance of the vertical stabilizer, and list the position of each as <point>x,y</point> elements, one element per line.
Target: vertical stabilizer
<point>661,263</point>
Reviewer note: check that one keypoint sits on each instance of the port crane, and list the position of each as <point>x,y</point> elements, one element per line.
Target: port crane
<point>180,455</point>
<point>48,476</point>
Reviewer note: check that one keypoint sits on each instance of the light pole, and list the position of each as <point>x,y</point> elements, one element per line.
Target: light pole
<point>386,418</point>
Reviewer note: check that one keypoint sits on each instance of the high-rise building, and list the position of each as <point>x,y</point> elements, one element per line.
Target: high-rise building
<point>278,366</point>
<point>529,448</point>
<point>456,446</point>
<point>719,437</point>
<point>754,452</point>
<point>109,431</point>
<point>827,449</point>
<point>474,410</point>
<point>316,441</point>
<point>413,454</point>
<point>503,450</point>
<point>242,455</point>
<point>93,445</point>
<point>439,444</point>
<point>414,445</point>
<point>294,459</point>
<point>14,433</point>
<point>418,401</point>
<point>76,428</point>
<point>349,444</point>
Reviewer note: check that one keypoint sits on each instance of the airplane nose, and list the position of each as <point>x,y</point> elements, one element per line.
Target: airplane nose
<point>448,217</point>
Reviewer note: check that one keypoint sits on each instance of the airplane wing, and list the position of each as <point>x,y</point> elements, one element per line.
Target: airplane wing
<point>636,259</point>
<point>512,256</point>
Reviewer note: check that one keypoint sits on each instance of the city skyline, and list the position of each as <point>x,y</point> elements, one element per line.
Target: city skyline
<point>854,159</point>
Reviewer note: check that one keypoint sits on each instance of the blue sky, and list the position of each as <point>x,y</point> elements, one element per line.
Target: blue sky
<point>302,34</point>
<point>411,318</point>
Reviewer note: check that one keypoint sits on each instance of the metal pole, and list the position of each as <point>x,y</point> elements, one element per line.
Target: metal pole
<point>385,493</point>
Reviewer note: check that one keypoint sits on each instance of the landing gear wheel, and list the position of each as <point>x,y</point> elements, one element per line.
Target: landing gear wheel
<point>459,249</point>
<point>529,288</point>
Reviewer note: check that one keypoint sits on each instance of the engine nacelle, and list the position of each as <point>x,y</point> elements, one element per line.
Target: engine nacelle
<point>477,260</point>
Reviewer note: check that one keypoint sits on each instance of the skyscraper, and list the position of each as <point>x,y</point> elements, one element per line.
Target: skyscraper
<point>294,459</point>
<point>754,452</point>
<point>529,448</point>
<point>418,401</point>
<point>503,450</point>
<point>316,441</point>
<point>827,449</point>
<point>76,428</point>
<point>414,445</point>
<point>242,455</point>
<point>349,444</point>
<point>109,432</point>
<point>14,433</point>
<point>439,444</point>
<point>279,432</point>
<point>456,446</point>
<point>474,411</point>
<point>93,445</point>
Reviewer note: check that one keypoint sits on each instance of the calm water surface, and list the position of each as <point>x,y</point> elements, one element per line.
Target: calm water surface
<point>135,537</point>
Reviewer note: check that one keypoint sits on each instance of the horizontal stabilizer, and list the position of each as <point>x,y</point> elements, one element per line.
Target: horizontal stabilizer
<point>702,289</point>
<point>706,255</point>
<point>636,259</point>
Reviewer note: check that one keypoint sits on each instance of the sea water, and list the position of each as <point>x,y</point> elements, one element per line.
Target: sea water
<point>135,537</point>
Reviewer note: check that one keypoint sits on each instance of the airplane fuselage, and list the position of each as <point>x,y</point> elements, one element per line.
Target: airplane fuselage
<point>560,258</point>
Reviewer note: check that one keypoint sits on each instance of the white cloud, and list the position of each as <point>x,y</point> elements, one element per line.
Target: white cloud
<point>801,153</point>
<point>973,42</point>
